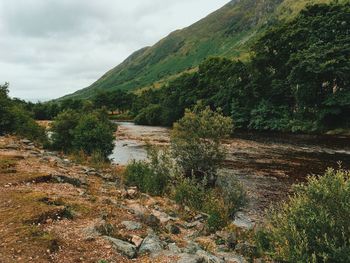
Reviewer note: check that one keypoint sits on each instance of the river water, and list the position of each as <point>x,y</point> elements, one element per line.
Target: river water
<point>266,164</point>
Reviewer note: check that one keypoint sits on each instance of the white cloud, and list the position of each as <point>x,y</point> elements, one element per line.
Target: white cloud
<point>49,48</point>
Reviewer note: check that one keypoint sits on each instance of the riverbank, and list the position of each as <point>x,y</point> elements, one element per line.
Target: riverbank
<point>266,164</point>
<point>54,210</point>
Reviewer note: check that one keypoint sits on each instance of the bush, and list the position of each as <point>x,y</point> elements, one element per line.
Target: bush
<point>220,204</point>
<point>152,176</point>
<point>15,120</point>
<point>196,142</point>
<point>314,225</point>
<point>191,193</point>
<point>91,133</point>
<point>62,130</point>
<point>149,115</point>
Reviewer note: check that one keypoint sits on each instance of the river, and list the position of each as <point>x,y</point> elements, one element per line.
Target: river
<point>266,164</point>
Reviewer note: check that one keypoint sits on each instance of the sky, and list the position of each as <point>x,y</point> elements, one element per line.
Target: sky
<point>50,48</point>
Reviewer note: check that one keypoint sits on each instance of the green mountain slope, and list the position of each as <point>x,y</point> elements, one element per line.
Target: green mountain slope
<point>227,32</point>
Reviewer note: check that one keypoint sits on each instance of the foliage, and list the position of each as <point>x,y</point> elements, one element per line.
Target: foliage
<point>313,226</point>
<point>16,120</point>
<point>195,142</point>
<point>62,130</point>
<point>219,203</point>
<point>91,133</point>
<point>152,176</point>
<point>149,115</point>
<point>297,79</point>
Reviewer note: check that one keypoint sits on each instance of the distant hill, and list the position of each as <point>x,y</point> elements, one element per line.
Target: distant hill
<point>227,32</point>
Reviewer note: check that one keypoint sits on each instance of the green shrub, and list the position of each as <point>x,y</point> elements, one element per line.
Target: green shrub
<point>149,115</point>
<point>152,176</point>
<point>314,225</point>
<point>93,134</point>
<point>14,119</point>
<point>62,130</point>
<point>196,142</point>
<point>191,193</point>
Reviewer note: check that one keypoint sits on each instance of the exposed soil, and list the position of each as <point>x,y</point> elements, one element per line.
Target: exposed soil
<point>53,210</point>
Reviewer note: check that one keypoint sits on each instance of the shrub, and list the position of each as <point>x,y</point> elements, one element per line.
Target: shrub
<point>14,119</point>
<point>149,115</point>
<point>314,225</point>
<point>191,193</point>
<point>62,130</point>
<point>152,176</point>
<point>196,142</point>
<point>93,134</point>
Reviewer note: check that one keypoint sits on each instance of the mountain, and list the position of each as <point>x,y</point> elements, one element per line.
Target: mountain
<point>227,32</point>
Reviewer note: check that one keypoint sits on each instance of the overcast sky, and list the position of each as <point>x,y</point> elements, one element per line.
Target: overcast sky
<point>49,48</point>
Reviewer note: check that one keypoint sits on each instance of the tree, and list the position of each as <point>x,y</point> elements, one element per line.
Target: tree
<point>196,142</point>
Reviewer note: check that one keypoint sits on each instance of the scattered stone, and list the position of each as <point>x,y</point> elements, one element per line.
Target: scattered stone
<point>231,240</point>
<point>12,146</point>
<point>136,240</point>
<point>207,257</point>
<point>151,245</point>
<point>131,225</point>
<point>132,192</point>
<point>192,248</point>
<point>123,247</point>
<point>151,220</point>
<point>90,233</point>
<point>242,221</point>
<point>137,209</point>
<point>189,258</point>
<point>173,229</point>
<point>173,248</point>
<point>65,179</point>
<point>25,141</point>
<point>195,224</point>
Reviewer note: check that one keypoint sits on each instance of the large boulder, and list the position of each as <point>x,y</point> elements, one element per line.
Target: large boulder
<point>123,247</point>
<point>151,245</point>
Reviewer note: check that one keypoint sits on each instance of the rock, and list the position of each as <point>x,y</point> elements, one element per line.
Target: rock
<point>132,192</point>
<point>90,233</point>
<point>195,224</point>
<point>162,216</point>
<point>123,247</point>
<point>173,229</point>
<point>137,241</point>
<point>12,146</point>
<point>189,258</point>
<point>231,240</point>
<point>173,248</point>
<point>65,179</point>
<point>25,141</point>
<point>243,221</point>
<point>192,248</point>
<point>104,228</point>
<point>151,245</point>
<point>207,257</point>
<point>137,209</point>
<point>151,220</point>
<point>232,258</point>
<point>131,225</point>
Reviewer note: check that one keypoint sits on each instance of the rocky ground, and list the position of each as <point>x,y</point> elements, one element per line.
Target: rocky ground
<point>53,210</point>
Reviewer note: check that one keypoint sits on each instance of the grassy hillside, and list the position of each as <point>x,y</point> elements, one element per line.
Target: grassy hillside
<point>227,32</point>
